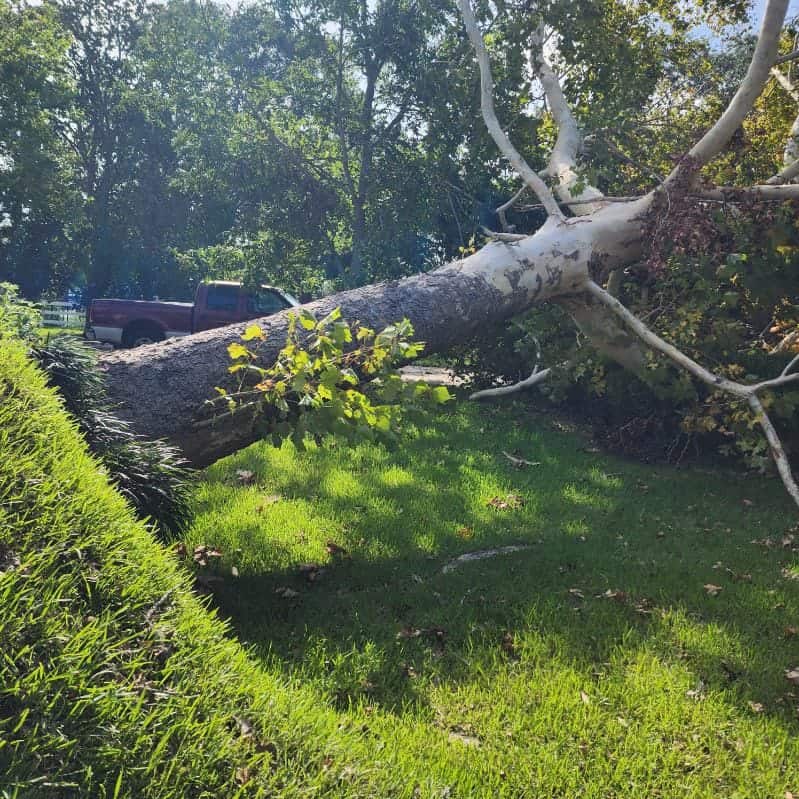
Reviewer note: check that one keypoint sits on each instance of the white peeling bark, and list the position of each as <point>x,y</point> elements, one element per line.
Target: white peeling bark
<point>537,376</point>
<point>563,160</point>
<point>528,175</point>
<point>764,57</point>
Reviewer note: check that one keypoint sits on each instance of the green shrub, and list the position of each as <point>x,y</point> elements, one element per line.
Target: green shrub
<point>152,475</point>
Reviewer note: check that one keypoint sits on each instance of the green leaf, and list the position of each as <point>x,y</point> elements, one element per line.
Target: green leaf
<point>236,351</point>
<point>440,395</point>
<point>253,332</point>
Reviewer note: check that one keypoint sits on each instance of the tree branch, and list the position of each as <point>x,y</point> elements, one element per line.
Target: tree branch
<point>766,52</point>
<point>788,173</point>
<point>773,193</point>
<point>537,376</point>
<point>741,390</point>
<point>530,177</point>
<point>563,159</point>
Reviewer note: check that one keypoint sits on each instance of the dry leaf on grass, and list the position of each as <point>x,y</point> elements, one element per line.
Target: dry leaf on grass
<point>713,590</point>
<point>509,502</point>
<point>334,549</point>
<point>245,477</point>
<point>792,675</point>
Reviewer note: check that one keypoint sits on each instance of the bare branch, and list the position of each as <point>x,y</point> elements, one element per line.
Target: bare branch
<point>765,55</point>
<point>741,390</point>
<point>536,377</point>
<point>792,56</point>
<point>508,238</point>
<point>503,219</point>
<point>563,160</point>
<point>777,451</point>
<point>772,193</point>
<point>787,174</point>
<point>530,177</point>
<point>786,343</point>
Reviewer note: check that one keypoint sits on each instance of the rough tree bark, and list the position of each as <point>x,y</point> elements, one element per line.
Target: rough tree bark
<point>161,388</point>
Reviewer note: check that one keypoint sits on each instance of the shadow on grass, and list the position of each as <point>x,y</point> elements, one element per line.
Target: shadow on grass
<point>618,562</point>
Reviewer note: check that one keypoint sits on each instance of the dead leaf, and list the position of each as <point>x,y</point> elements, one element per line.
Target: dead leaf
<point>180,549</point>
<point>585,698</point>
<point>465,532</point>
<point>203,554</point>
<point>286,592</point>
<point>246,729</point>
<point>333,549</point>
<point>713,590</point>
<point>619,596</point>
<point>756,707</point>
<point>242,775</point>
<point>509,645</point>
<point>747,502</point>
<point>792,675</point>
<point>791,630</point>
<point>311,572</point>
<point>510,502</point>
<point>409,632</point>
<point>576,593</point>
<point>245,477</point>
<point>234,571</point>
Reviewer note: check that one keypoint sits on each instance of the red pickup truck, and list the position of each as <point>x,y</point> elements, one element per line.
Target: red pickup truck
<point>130,323</point>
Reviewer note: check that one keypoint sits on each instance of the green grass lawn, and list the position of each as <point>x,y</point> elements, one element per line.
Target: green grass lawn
<point>599,661</point>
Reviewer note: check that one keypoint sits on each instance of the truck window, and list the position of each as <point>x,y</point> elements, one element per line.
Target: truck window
<point>222,298</point>
<point>265,302</point>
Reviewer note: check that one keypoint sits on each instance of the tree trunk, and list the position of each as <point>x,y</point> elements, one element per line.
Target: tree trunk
<point>161,388</point>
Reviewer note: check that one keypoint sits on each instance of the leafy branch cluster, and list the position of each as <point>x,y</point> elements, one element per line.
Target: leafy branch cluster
<point>331,377</point>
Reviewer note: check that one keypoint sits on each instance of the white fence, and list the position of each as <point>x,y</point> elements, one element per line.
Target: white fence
<point>61,314</point>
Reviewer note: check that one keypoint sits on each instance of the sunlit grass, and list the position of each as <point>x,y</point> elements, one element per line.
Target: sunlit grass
<point>593,663</point>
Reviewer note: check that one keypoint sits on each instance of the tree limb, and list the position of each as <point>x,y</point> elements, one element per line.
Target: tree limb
<point>530,177</point>
<point>773,193</point>
<point>766,52</point>
<point>788,173</point>
<point>741,390</point>
<point>537,376</point>
<point>563,159</point>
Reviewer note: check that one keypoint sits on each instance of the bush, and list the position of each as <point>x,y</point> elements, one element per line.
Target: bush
<point>152,475</point>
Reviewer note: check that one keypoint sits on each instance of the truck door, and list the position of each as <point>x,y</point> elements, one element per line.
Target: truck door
<point>220,307</point>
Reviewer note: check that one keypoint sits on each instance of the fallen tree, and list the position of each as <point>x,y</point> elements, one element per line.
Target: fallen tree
<point>586,239</point>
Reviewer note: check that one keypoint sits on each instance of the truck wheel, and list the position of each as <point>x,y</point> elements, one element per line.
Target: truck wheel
<point>140,333</point>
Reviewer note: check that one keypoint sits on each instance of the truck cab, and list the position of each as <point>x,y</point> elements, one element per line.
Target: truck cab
<point>131,323</point>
